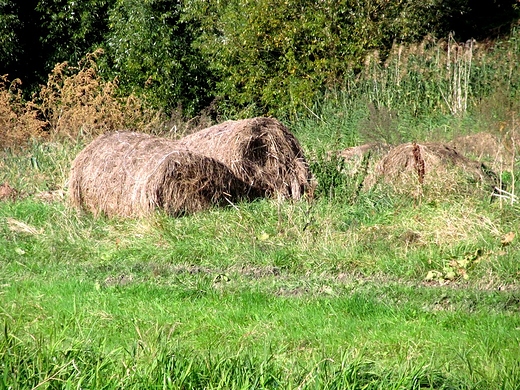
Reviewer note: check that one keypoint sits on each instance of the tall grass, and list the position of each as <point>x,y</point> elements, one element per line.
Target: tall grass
<point>434,90</point>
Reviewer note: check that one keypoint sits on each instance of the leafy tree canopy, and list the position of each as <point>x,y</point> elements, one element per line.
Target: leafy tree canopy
<point>262,56</point>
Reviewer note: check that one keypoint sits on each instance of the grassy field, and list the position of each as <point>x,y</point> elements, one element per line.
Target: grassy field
<point>354,289</point>
<point>381,291</point>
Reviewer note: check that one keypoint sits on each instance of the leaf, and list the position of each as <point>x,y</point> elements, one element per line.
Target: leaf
<point>450,275</point>
<point>263,236</point>
<point>433,275</point>
<point>463,263</point>
<point>508,238</point>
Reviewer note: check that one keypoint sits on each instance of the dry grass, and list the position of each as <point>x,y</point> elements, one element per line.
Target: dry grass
<point>130,174</point>
<point>498,151</point>
<point>19,121</point>
<point>411,167</point>
<point>260,151</point>
<point>76,103</point>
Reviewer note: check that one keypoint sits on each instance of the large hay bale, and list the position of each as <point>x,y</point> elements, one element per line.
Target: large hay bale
<point>131,174</point>
<point>260,151</point>
<point>432,165</point>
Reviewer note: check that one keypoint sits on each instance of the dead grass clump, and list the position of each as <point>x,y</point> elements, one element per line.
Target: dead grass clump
<point>131,174</point>
<point>498,153</point>
<point>19,121</point>
<point>410,167</point>
<point>260,151</point>
<point>77,102</point>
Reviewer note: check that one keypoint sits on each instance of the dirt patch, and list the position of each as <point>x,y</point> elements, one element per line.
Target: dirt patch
<point>7,192</point>
<point>130,174</point>
<point>260,151</point>
<point>258,272</point>
<point>409,166</point>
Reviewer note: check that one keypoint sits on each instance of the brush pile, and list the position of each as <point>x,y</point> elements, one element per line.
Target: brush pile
<point>432,165</point>
<point>130,174</point>
<point>259,151</point>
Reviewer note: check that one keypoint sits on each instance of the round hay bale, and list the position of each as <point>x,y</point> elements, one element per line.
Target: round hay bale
<point>410,166</point>
<point>130,174</point>
<point>260,151</point>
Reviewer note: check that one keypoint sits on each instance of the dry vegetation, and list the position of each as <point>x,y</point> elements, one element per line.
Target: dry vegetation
<point>74,104</point>
<point>19,121</point>
<point>498,150</point>
<point>131,174</point>
<point>260,151</point>
<point>409,166</point>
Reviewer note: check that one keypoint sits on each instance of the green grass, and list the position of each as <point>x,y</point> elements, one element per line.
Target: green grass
<point>353,290</point>
<point>247,298</point>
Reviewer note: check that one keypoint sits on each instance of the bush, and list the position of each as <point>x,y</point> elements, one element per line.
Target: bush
<point>275,57</point>
<point>149,50</point>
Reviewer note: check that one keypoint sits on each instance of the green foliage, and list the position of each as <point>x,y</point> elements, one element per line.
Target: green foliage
<point>40,33</point>
<point>334,183</point>
<point>273,56</point>
<point>70,29</point>
<point>264,57</point>
<point>10,24</point>
<point>149,50</point>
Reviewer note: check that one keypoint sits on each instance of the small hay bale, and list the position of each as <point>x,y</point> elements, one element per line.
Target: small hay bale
<point>260,151</point>
<point>409,166</point>
<point>130,174</point>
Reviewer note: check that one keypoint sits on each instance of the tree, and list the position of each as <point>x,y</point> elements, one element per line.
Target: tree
<point>37,34</point>
<point>10,26</point>
<point>71,28</point>
<point>273,56</point>
<point>149,49</point>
